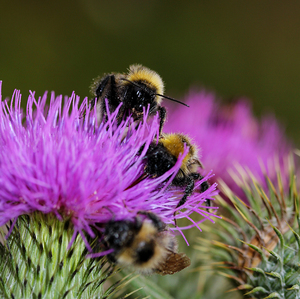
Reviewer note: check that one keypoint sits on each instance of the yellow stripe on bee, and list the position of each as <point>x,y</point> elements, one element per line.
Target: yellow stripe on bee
<point>174,143</point>
<point>138,72</point>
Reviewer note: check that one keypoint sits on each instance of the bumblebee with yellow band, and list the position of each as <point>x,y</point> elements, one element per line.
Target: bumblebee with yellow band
<point>162,156</point>
<point>137,90</point>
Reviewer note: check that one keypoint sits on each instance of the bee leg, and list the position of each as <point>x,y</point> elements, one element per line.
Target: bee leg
<point>99,92</point>
<point>162,116</point>
<point>161,226</point>
<point>109,210</point>
<point>102,85</point>
<point>106,90</point>
<point>187,192</point>
<point>204,186</point>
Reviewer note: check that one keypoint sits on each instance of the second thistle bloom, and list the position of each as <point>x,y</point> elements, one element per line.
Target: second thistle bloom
<point>230,135</point>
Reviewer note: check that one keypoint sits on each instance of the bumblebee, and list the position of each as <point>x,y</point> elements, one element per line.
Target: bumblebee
<point>144,244</point>
<point>136,90</point>
<point>161,156</point>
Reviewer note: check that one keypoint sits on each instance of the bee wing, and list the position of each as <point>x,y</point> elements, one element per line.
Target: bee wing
<point>175,262</point>
<point>194,164</point>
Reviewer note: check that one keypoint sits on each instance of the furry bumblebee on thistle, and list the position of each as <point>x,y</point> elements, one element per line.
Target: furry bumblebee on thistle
<point>145,243</point>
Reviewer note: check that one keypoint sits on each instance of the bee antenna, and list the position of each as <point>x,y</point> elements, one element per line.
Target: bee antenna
<point>171,99</point>
<point>157,94</point>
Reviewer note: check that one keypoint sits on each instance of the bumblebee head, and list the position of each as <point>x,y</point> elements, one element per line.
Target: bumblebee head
<point>142,87</point>
<point>147,79</point>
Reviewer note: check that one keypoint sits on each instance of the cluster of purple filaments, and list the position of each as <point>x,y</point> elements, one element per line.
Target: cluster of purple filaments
<point>55,158</point>
<point>230,137</point>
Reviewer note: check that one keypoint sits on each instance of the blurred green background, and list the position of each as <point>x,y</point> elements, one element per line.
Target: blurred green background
<point>236,48</point>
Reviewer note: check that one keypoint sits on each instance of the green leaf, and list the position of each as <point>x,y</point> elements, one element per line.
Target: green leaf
<point>149,288</point>
<point>258,290</point>
<point>273,295</point>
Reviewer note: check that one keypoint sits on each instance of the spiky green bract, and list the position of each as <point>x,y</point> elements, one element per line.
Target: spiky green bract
<point>258,245</point>
<point>37,263</point>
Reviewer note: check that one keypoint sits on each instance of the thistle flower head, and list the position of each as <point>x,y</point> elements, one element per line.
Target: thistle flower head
<point>53,160</point>
<point>230,135</point>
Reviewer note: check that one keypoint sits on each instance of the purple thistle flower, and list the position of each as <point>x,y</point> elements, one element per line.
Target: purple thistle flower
<point>53,160</point>
<point>230,136</point>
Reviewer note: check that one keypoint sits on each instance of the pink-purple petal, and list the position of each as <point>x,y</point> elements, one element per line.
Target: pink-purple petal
<point>55,160</point>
